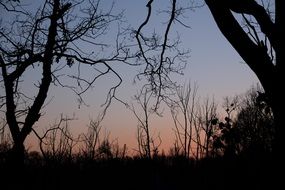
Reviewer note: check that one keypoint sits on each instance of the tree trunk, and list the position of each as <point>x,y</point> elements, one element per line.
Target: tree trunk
<point>17,156</point>
<point>255,55</point>
<point>278,104</point>
<point>278,112</point>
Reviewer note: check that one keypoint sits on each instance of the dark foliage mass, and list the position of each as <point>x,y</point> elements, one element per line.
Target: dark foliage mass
<point>238,157</point>
<point>240,151</point>
<point>252,129</point>
<point>138,173</point>
<point>260,43</point>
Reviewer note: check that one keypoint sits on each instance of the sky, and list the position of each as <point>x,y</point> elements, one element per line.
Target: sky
<point>213,64</point>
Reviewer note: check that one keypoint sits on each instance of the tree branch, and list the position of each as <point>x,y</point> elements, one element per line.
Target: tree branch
<point>254,55</point>
<point>33,114</point>
<point>10,103</point>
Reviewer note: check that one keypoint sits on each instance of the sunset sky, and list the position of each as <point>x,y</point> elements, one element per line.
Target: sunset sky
<point>213,64</point>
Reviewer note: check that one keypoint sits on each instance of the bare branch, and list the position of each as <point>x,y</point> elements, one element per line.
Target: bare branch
<point>154,52</point>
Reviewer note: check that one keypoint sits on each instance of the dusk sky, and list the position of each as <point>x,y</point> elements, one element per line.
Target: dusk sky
<point>213,64</point>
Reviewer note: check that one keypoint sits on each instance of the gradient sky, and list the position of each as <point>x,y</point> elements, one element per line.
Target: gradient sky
<point>213,64</point>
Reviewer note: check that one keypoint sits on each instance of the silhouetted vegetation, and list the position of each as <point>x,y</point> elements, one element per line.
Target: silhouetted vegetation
<point>148,143</point>
<point>258,39</point>
<point>238,152</point>
<point>251,131</point>
<point>58,35</point>
<point>236,148</point>
<point>51,39</point>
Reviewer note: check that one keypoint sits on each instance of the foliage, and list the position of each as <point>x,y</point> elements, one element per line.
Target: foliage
<point>259,39</point>
<point>251,131</point>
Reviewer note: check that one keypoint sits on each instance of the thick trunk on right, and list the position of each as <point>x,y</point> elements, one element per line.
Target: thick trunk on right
<point>255,55</point>
<point>277,105</point>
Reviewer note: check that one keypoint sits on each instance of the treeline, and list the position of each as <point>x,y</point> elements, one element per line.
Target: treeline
<point>209,151</point>
<point>245,128</point>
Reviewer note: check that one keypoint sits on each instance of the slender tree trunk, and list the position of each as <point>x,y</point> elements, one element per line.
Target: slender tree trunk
<point>148,141</point>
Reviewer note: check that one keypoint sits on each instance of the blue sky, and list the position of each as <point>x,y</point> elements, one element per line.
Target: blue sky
<point>216,67</point>
<point>213,64</point>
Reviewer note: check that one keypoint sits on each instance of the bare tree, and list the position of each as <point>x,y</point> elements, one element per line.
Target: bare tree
<point>203,119</point>
<point>57,142</point>
<point>108,148</point>
<point>46,41</point>
<point>147,146</point>
<point>91,139</point>
<point>186,106</point>
<point>160,55</point>
<point>94,146</point>
<point>194,122</point>
<point>208,119</point>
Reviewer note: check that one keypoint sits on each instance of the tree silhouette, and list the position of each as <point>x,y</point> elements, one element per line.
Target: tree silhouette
<point>254,124</point>
<point>185,105</point>
<point>148,143</point>
<point>91,139</point>
<point>228,136</point>
<point>247,128</point>
<point>194,123</point>
<point>57,142</point>
<point>265,57</point>
<point>161,56</point>
<point>61,35</point>
<point>47,42</point>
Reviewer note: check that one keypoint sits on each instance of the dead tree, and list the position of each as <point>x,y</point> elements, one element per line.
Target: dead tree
<point>46,42</point>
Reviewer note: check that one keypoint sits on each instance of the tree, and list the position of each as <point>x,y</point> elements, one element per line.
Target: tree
<point>251,130</point>
<point>255,123</point>
<point>265,57</point>
<point>161,56</point>
<point>194,122</point>
<point>57,142</point>
<point>46,41</point>
<point>147,145</point>
<point>91,139</point>
<point>207,118</point>
<point>226,140</point>
<point>185,105</point>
